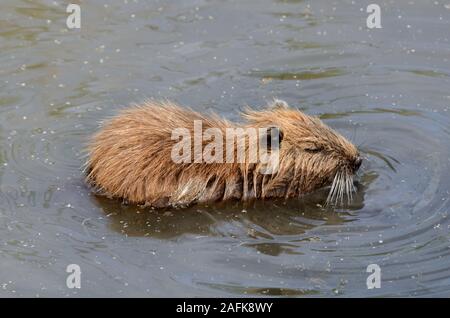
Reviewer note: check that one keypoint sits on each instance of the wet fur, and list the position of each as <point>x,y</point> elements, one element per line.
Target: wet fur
<point>130,158</point>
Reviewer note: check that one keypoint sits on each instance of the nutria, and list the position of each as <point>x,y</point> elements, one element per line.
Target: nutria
<point>130,158</point>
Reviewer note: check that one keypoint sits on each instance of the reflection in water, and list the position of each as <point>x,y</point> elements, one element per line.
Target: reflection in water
<point>259,220</point>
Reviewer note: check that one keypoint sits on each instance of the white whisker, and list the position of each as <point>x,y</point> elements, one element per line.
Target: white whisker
<point>342,186</point>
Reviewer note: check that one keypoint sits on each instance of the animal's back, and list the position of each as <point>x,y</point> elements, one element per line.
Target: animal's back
<point>131,156</point>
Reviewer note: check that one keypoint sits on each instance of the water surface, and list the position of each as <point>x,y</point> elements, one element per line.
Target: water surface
<point>385,89</point>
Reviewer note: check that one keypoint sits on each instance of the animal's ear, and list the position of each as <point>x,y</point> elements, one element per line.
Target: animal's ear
<point>278,104</point>
<point>274,137</point>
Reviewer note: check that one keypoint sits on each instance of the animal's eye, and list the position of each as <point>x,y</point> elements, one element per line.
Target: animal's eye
<point>313,149</point>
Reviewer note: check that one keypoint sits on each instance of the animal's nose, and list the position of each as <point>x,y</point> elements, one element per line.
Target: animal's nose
<point>357,163</point>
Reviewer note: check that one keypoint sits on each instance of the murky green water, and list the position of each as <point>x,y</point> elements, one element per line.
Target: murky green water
<point>386,89</point>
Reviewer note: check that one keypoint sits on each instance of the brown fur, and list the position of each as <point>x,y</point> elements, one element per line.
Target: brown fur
<point>130,158</point>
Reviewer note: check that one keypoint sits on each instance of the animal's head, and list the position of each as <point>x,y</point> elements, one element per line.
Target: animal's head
<point>311,154</point>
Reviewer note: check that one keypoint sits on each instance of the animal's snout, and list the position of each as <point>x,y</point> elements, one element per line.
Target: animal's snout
<point>357,163</point>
